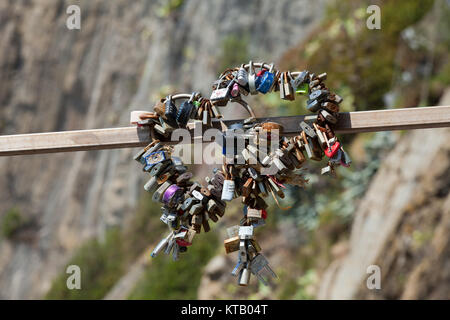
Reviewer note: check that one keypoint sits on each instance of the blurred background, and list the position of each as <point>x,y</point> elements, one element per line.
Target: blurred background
<point>391,208</point>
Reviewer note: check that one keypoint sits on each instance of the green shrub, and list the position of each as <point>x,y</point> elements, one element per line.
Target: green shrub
<point>11,222</point>
<point>234,51</point>
<point>102,263</point>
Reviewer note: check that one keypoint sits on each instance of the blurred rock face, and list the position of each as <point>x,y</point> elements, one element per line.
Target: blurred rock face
<point>402,225</point>
<point>55,79</point>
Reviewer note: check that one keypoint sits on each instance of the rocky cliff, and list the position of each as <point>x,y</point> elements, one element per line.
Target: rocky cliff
<point>52,78</point>
<point>402,225</point>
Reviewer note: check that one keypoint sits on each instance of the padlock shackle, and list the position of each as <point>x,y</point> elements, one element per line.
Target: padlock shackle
<point>258,65</point>
<point>180,96</point>
<point>245,105</point>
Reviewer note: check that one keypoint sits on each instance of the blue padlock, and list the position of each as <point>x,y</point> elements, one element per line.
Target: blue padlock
<point>265,81</point>
<point>154,158</point>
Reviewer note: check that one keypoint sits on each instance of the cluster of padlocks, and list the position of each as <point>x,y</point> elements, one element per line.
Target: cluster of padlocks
<point>266,161</point>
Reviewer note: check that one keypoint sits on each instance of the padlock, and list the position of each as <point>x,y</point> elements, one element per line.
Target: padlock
<point>172,196</point>
<point>170,112</point>
<point>242,76</point>
<point>154,148</point>
<point>266,81</point>
<point>335,98</point>
<point>231,244</point>
<point>158,194</point>
<point>316,149</point>
<point>246,188</point>
<point>187,204</point>
<point>288,91</point>
<point>254,213</point>
<point>321,136</point>
<point>234,92</point>
<point>330,106</point>
<point>285,157</point>
<point>326,170</point>
<point>151,184</point>
<point>244,277</point>
<point>160,108</point>
<point>195,210</point>
<point>245,232</point>
<point>159,129</point>
<point>308,129</point>
<point>336,158</point>
<point>159,168</point>
<point>306,145</point>
<point>220,96</point>
<point>319,95</point>
<point>332,148</point>
<point>312,105</point>
<point>140,153</point>
<point>252,79</point>
<point>184,178</point>
<point>162,244</point>
<point>186,110</point>
<point>206,119</point>
<point>281,85</point>
<point>328,116</point>
<point>345,159</point>
<point>228,187</point>
<point>259,266</point>
<point>299,80</point>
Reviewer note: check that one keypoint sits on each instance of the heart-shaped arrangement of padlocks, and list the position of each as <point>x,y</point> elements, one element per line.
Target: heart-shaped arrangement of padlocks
<point>251,172</point>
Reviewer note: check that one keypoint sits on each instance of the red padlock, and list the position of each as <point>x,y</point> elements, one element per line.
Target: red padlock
<point>264,214</point>
<point>183,243</point>
<point>331,150</point>
<point>261,72</point>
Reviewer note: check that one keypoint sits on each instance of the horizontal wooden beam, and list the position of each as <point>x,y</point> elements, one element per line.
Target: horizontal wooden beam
<point>129,137</point>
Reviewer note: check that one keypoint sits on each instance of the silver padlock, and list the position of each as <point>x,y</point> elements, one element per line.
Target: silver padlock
<point>161,245</point>
<point>228,190</point>
<point>151,184</point>
<point>259,266</point>
<point>246,232</point>
<point>244,276</point>
<point>345,158</point>
<point>242,76</point>
<point>325,170</point>
<point>233,231</point>
<point>252,79</point>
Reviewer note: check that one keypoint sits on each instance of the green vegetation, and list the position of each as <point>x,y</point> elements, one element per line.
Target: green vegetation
<point>167,7</point>
<point>102,263</point>
<point>354,56</point>
<point>234,51</point>
<point>11,222</point>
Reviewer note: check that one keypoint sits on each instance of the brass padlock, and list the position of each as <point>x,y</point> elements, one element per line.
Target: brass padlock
<point>231,244</point>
